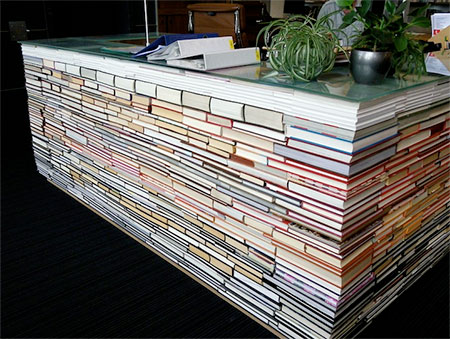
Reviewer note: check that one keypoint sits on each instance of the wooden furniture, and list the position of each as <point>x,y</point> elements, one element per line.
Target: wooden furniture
<point>226,19</point>
<point>173,16</point>
<point>256,16</point>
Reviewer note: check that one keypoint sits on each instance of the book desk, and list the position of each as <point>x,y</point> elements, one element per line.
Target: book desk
<point>309,206</point>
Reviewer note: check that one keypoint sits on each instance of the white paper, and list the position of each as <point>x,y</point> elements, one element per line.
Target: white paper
<point>439,21</point>
<point>434,65</point>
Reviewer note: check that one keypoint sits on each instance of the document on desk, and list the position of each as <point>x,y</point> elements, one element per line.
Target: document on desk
<point>217,60</point>
<point>192,47</point>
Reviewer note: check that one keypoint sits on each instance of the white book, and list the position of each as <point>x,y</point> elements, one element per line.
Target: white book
<point>201,125</point>
<point>90,84</point>
<point>251,156</point>
<point>88,73</point>
<point>71,69</point>
<point>332,165</point>
<point>258,173</point>
<point>146,88</point>
<point>322,151</point>
<point>123,83</point>
<point>306,267</point>
<point>260,130</point>
<point>197,101</point>
<point>340,144</point>
<point>192,47</point>
<point>248,139</point>
<point>166,105</point>
<point>105,89</point>
<point>227,109</point>
<point>60,66</point>
<point>264,117</point>
<point>266,154</point>
<point>224,209</point>
<point>168,94</point>
<point>221,59</point>
<point>122,94</point>
<point>194,113</point>
<point>335,131</point>
<point>342,204</point>
<point>76,136</point>
<point>336,155</point>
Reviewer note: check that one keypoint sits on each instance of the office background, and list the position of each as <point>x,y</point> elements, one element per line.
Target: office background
<point>65,272</point>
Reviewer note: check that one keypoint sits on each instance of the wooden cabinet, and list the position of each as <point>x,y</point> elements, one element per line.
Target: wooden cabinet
<point>173,16</point>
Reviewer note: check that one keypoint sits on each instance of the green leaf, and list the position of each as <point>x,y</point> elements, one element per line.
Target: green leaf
<point>419,11</point>
<point>396,19</point>
<point>422,11</point>
<point>400,43</point>
<point>401,7</point>
<point>389,7</point>
<point>364,8</point>
<point>349,18</point>
<point>344,3</point>
<point>421,22</point>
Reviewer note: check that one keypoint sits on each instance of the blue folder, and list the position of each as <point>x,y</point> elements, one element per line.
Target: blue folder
<point>166,40</point>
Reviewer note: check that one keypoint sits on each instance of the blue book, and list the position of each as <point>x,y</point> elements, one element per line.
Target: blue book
<point>166,40</point>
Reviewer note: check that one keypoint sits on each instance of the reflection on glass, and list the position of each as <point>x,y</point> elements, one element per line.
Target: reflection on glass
<point>338,83</point>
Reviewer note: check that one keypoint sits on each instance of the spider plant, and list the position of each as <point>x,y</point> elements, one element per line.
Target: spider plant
<point>301,46</point>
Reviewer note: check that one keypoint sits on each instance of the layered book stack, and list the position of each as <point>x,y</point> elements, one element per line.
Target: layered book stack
<point>311,213</point>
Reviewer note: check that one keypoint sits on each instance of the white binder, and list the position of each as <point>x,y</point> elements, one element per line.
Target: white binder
<point>217,60</point>
<point>192,47</point>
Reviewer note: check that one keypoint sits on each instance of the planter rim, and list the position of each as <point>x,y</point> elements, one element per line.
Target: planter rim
<point>365,50</point>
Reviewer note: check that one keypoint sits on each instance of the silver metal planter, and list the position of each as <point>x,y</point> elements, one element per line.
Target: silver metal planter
<point>369,67</point>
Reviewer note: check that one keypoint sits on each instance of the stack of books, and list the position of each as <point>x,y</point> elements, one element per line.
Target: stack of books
<point>311,213</point>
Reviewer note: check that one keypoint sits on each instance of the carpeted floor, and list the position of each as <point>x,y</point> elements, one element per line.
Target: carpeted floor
<point>65,272</point>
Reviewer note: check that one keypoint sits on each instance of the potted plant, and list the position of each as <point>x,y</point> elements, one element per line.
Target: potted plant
<point>385,41</point>
<point>301,46</point>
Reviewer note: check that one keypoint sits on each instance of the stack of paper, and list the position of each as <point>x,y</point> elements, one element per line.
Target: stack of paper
<point>311,213</point>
